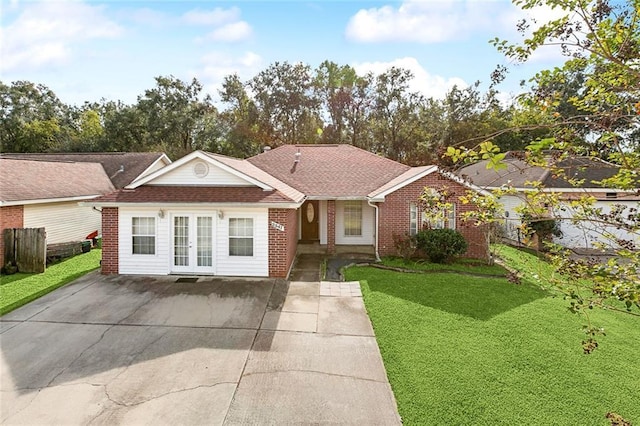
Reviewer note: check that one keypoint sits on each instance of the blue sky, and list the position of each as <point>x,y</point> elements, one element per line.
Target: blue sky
<point>87,50</point>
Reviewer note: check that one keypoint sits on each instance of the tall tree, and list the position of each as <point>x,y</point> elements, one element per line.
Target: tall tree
<point>175,112</point>
<point>30,118</point>
<point>397,128</point>
<point>335,85</point>
<point>286,104</point>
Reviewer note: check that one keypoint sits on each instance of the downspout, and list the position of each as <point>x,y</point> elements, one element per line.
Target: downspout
<point>375,206</point>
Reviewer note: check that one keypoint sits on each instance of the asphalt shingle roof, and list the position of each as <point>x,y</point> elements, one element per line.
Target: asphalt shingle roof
<point>518,173</point>
<point>193,194</point>
<point>329,171</point>
<point>23,180</point>
<point>133,163</point>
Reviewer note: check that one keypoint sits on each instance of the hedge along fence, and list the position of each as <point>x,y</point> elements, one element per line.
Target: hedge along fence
<point>26,248</point>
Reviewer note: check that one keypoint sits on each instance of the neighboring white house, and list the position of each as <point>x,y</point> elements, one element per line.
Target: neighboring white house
<point>43,190</point>
<point>575,234</point>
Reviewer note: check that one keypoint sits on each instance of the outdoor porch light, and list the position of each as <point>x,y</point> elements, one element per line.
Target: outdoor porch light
<point>160,213</point>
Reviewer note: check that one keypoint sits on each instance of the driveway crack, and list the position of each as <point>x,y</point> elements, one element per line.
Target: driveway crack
<point>79,356</point>
<point>123,404</point>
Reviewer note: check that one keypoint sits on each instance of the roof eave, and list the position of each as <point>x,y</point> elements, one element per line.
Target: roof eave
<point>166,205</point>
<point>47,200</point>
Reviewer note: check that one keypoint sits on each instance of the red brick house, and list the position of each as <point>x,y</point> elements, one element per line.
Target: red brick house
<point>211,214</point>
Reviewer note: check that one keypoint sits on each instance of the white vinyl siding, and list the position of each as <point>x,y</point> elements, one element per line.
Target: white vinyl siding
<point>584,234</point>
<point>151,264</point>
<point>367,225</point>
<point>258,264</point>
<point>63,222</point>
<point>223,264</point>
<point>185,175</point>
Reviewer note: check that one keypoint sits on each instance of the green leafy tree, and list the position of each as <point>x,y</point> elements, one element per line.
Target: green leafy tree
<point>598,116</point>
<point>31,118</point>
<point>176,113</point>
<point>287,107</point>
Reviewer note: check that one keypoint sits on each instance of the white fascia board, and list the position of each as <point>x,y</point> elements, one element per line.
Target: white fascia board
<point>47,200</point>
<point>162,158</point>
<point>381,196</point>
<point>187,205</point>
<point>202,156</point>
<point>350,198</point>
<point>572,190</point>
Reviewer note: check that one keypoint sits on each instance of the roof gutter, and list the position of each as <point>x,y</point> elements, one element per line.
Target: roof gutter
<point>47,200</point>
<point>375,206</point>
<point>166,205</point>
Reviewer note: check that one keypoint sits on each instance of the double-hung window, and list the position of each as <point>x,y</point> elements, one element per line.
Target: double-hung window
<point>241,237</point>
<point>143,231</point>
<point>413,219</point>
<point>352,218</point>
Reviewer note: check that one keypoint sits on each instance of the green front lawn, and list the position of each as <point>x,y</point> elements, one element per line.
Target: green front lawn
<point>19,289</point>
<point>460,349</point>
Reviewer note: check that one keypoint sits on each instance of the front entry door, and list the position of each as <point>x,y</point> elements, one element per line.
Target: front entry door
<point>310,223</point>
<point>193,238</point>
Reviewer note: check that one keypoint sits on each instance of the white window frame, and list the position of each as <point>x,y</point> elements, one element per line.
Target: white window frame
<point>242,237</point>
<point>413,219</point>
<point>347,206</point>
<point>151,234</point>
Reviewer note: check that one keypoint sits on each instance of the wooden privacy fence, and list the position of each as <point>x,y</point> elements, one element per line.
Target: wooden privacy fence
<point>26,248</point>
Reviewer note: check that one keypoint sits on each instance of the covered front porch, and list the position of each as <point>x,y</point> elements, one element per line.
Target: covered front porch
<point>336,227</point>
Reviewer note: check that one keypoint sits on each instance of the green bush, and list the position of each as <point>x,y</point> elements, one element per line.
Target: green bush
<point>441,245</point>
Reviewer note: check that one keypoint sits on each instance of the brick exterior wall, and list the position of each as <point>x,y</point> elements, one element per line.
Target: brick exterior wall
<point>282,244</point>
<point>10,217</point>
<point>109,264</point>
<point>395,215</point>
<point>331,226</point>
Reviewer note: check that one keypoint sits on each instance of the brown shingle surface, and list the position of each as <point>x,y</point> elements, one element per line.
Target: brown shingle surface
<point>134,163</point>
<point>22,180</point>
<point>246,168</point>
<point>331,171</point>
<point>193,194</point>
<point>518,172</point>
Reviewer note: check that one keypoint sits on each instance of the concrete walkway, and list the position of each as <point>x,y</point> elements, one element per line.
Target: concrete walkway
<point>141,350</point>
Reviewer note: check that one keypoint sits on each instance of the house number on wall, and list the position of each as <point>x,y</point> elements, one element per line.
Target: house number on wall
<point>277,226</point>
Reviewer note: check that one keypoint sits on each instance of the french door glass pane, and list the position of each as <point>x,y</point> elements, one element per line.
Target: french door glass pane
<point>181,241</point>
<point>205,241</point>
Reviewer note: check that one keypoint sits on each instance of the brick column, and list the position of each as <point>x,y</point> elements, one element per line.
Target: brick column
<point>10,217</point>
<point>110,259</point>
<point>331,226</point>
<point>282,244</point>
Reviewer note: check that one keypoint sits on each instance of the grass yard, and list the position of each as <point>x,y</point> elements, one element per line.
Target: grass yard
<point>477,350</point>
<point>19,289</point>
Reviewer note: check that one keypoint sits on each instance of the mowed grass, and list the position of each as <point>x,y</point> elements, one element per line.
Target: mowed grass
<point>19,289</point>
<point>482,351</point>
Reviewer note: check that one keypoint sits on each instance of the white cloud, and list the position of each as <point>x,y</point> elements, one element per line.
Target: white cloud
<point>217,65</point>
<point>233,32</point>
<point>421,21</point>
<point>217,16</point>
<point>45,33</point>
<point>428,84</point>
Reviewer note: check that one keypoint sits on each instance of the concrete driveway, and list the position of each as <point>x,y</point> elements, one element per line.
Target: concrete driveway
<point>140,350</point>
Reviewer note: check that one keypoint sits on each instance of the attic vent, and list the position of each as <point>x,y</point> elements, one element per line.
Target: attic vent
<point>200,169</point>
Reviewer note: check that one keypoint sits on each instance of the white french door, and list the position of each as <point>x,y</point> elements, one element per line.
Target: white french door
<point>193,243</point>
